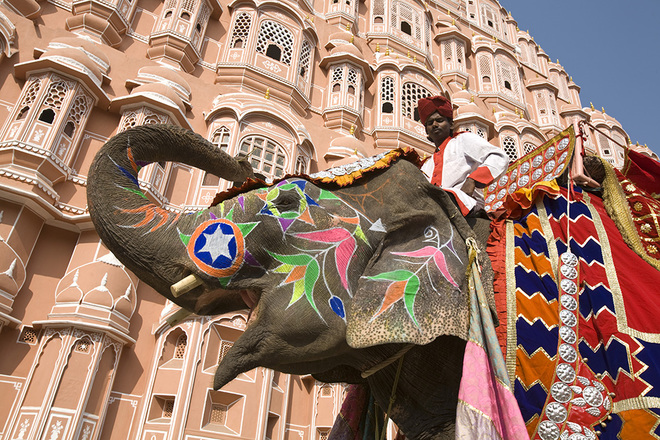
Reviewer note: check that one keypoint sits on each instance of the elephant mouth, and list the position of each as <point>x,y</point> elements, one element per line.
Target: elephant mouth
<point>251,300</point>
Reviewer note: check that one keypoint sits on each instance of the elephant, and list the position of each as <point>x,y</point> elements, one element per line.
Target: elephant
<point>341,275</point>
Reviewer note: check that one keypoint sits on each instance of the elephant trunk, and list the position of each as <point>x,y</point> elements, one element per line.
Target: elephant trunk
<point>144,236</point>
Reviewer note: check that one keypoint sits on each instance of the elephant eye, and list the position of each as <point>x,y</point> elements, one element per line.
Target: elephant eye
<point>287,201</point>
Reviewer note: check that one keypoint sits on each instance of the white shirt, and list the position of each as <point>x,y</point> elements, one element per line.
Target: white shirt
<point>462,156</point>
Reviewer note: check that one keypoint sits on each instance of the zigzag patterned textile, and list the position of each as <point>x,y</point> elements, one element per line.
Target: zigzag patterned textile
<point>583,339</point>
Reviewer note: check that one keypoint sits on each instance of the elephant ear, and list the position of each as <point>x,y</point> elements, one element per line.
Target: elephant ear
<point>414,289</point>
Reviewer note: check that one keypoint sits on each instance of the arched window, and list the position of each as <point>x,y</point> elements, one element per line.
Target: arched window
<point>528,147</point>
<point>337,77</point>
<point>241,29</point>
<point>180,349</point>
<point>220,138</point>
<point>410,94</point>
<point>266,156</point>
<point>275,40</point>
<point>47,116</point>
<point>305,58</point>
<point>387,95</point>
<point>510,147</point>
<point>69,128</point>
<point>485,72</point>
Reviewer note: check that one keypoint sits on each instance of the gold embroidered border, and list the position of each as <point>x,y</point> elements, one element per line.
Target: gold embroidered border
<point>618,209</point>
<point>613,280</point>
<point>636,403</point>
<point>511,305</point>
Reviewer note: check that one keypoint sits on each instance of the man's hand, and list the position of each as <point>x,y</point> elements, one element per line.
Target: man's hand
<point>469,186</point>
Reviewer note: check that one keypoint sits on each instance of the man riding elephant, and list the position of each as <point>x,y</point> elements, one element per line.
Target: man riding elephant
<point>463,163</point>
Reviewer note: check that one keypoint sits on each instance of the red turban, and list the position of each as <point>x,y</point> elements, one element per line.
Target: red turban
<point>427,106</point>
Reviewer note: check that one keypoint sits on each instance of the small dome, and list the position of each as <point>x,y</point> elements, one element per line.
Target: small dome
<point>74,58</point>
<point>346,48</point>
<point>338,37</point>
<point>160,92</point>
<point>91,50</point>
<point>345,147</point>
<point>103,283</point>
<point>151,74</point>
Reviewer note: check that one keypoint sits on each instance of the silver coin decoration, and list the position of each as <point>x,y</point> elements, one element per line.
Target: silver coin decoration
<point>561,392</point>
<point>569,259</point>
<point>592,396</point>
<point>537,174</point>
<point>549,166</point>
<point>549,152</point>
<point>492,187</point>
<point>559,169</point>
<point>569,272</point>
<point>577,436</point>
<point>490,198</point>
<point>501,194</point>
<point>568,302</point>
<point>567,353</point>
<point>512,188</point>
<point>498,205</point>
<point>563,156</point>
<point>548,430</point>
<point>538,160</point>
<point>503,180</point>
<point>567,335</point>
<point>568,286</point>
<point>524,168</point>
<point>563,144</point>
<point>565,373</point>
<point>567,318</point>
<point>523,180</point>
<point>514,174</point>
<point>556,412</point>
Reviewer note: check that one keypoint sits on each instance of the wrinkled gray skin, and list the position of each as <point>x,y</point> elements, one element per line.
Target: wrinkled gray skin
<point>283,334</point>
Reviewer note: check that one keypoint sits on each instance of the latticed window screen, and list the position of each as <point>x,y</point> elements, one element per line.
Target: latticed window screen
<point>241,30</point>
<point>189,6</point>
<point>82,345</point>
<point>79,108</point>
<point>528,147</point>
<point>326,391</point>
<point>510,147</point>
<point>274,33</point>
<point>508,79</point>
<point>181,343</point>
<point>447,51</point>
<point>168,408</point>
<point>337,75</point>
<point>490,19</point>
<point>541,104</point>
<point>532,55</point>
<point>324,434</point>
<point>379,9</point>
<point>305,57</point>
<point>352,81</point>
<point>56,95</point>
<point>28,335</point>
<point>403,13</point>
<point>29,98</point>
<point>387,94</point>
<point>224,347</point>
<point>129,120</point>
<point>604,144</point>
<point>482,132</point>
<point>485,70</point>
<point>218,414</point>
<point>410,94</point>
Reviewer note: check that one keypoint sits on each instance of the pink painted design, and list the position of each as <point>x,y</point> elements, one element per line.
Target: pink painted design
<point>438,258</point>
<point>344,251</point>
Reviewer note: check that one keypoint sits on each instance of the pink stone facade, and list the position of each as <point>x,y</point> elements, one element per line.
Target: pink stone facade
<point>87,352</point>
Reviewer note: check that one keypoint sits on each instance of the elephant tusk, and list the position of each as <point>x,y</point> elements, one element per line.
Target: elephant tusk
<point>185,285</point>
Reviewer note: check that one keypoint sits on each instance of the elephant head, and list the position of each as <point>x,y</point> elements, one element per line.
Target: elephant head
<point>337,279</point>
